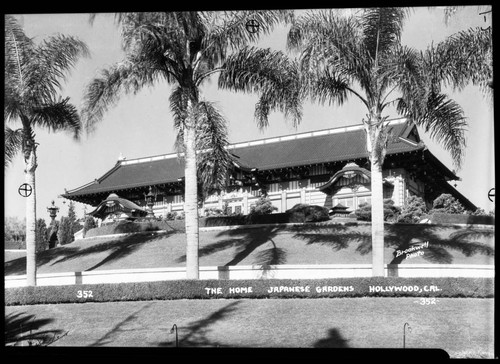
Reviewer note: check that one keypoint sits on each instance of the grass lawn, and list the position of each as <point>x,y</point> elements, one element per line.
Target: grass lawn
<point>461,326</point>
<point>307,244</point>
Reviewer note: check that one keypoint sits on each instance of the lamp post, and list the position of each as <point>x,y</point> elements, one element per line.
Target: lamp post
<point>53,210</point>
<point>52,235</point>
<point>172,330</point>
<point>404,333</point>
<point>150,203</point>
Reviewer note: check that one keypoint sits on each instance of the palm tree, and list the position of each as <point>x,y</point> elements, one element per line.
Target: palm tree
<point>184,49</point>
<point>33,74</point>
<point>361,55</point>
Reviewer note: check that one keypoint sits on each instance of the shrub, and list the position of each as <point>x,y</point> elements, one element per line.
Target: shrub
<point>439,218</point>
<point>170,216</point>
<point>414,210</point>
<point>391,212</point>
<point>64,232</point>
<point>42,236</point>
<point>126,227</point>
<point>447,204</point>
<point>88,224</point>
<point>263,206</point>
<point>213,211</point>
<point>308,213</point>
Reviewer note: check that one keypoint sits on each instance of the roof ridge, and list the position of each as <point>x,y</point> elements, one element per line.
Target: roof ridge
<point>328,131</point>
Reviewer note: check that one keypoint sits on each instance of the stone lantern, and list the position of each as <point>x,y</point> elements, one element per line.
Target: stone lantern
<point>53,210</point>
<point>150,197</point>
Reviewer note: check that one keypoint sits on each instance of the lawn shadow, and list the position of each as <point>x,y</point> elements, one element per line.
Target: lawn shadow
<point>246,240</point>
<point>18,266</point>
<point>334,340</point>
<point>196,333</point>
<point>337,237</point>
<point>117,248</point>
<point>466,241</point>
<point>111,334</point>
<point>400,237</point>
<point>23,329</point>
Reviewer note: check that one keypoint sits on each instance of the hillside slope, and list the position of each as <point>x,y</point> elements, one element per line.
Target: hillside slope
<point>278,244</point>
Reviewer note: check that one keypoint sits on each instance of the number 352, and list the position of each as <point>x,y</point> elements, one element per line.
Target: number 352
<point>84,294</point>
<point>428,301</point>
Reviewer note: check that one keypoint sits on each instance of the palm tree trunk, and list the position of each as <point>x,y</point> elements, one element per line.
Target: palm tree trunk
<point>377,200</point>
<point>29,174</point>
<point>191,203</point>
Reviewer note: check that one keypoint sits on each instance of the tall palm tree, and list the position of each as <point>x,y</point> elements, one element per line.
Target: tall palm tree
<point>33,75</point>
<point>361,56</point>
<point>184,49</point>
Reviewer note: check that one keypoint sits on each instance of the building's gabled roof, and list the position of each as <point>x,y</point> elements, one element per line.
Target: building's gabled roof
<point>113,204</point>
<point>331,145</point>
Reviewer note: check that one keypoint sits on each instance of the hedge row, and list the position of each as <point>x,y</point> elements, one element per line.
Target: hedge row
<point>122,227</point>
<point>264,288</point>
<point>440,218</point>
<point>299,214</point>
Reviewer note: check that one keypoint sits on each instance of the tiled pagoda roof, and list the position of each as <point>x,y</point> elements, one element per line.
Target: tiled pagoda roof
<point>304,149</point>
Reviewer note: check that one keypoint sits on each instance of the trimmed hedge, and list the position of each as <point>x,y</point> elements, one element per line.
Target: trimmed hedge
<point>298,214</point>
<point>122,227</point>
<point>441,218</point>
<point>263,288</point>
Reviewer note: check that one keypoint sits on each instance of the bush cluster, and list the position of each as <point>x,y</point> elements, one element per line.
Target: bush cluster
<point>391,212</point>
<point>442,218</point>
<point>197,289</point>
<point>121,227</point>
<point>308,213</point>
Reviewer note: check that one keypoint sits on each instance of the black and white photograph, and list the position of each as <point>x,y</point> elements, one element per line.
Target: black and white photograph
<point>317,179</point>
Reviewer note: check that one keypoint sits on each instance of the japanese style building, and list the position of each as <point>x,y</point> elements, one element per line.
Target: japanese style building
<point>326,168</point>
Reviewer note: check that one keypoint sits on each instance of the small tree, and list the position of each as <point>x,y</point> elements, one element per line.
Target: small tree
<point>263,206</point>
<point>447,204</point>
<point>89,223</point>
<point>74,224</point>
<point>64,232</point>
<point>42,236</point>
<point>413,211</point>
<point>391,212</point>
<point>15,230</point>
<point>52,234</point>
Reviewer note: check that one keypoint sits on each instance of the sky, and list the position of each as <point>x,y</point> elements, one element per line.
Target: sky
<point>141,125</point>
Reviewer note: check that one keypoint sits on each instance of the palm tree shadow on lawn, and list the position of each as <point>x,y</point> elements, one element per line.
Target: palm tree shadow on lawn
<point>21,327</point>
<point>245,241</point>
<point>400,237</point>
<point>196,333</point>
<point>118,249</point>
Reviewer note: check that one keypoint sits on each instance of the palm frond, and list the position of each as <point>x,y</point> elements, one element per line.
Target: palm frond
<point>330,86</point>
<point>268,73</point>
<point>328,42</point>
<point>466,57</point>
<point>214,160</point>
<point>382,28</point>
<point>227,31</point>
<point>58,116</point>
<point>103,92</point>
<point>13,143</point>
<point>444,120</point>
<point>18,53</point>
<point>319,26</point>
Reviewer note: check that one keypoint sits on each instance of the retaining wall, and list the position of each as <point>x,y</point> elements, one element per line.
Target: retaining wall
<point>285,271</point>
